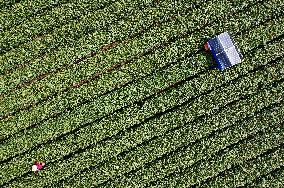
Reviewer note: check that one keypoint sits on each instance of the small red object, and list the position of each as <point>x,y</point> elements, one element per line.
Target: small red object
<point>39,165</point>
<point>206,46</point>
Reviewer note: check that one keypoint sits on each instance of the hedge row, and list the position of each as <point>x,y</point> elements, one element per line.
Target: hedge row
<point>275,178</point>
<point>268,134</point>
<point>245,173</point>
<point>23,11</point>
<point>209,142</point>
<point>151,147</point>
<point>87,134</point>
<point>44,24</point>
<point>70,119</point>
<point>79,39</point>
<point>178,68</point>
<point>197,90</point>
<point>76,72</point>
<point>78,95</point>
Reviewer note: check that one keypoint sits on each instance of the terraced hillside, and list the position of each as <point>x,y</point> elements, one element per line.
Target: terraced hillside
<point>119,94</point>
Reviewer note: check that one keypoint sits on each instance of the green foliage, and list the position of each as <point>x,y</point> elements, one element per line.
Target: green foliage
<point>89,36</point>
<point>145,110</point>
<point>98,87</point>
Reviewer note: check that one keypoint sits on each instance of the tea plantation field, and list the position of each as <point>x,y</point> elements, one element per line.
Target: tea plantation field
<point>119,93</point>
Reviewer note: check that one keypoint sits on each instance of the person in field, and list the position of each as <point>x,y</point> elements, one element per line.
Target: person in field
<point>37,166</point>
